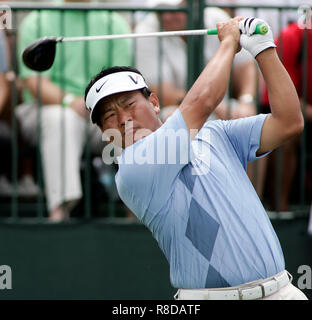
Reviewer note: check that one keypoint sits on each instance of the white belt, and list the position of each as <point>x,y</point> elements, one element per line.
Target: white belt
<point>249,291</point>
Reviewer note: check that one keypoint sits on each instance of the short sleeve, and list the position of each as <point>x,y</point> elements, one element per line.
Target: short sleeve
<point>245,134</point>
<point>148,169</point>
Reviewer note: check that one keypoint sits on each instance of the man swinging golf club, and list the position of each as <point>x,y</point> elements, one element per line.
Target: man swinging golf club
<point>202,209</point>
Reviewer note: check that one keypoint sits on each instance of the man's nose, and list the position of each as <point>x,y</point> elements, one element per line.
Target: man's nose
<point>124,117</point>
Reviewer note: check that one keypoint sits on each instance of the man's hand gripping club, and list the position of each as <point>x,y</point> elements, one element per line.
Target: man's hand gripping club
<point>255,43</point>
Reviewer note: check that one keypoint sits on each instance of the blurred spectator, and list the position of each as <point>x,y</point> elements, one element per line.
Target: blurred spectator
<point>63,119</point>
<point>291,50</point>
<point>275,18</point>
<point>26,186</point>
<point>171,70</point>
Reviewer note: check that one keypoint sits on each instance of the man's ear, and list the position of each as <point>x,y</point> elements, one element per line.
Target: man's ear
<point>155,102</point>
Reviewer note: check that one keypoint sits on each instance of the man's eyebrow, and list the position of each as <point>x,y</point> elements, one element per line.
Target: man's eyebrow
<point>125,98</point>
<point>107,109</point>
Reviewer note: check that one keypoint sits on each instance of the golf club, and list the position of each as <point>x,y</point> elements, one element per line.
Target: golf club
<point>40,54</point>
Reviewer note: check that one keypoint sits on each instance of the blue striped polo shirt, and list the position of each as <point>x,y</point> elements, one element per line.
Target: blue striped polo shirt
<point>198,202</point>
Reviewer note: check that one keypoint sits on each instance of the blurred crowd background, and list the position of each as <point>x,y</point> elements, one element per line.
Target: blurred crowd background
<point>52,164</point>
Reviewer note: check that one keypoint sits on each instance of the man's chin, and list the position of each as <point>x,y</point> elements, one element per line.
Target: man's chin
<point>135,137</point>
<point>130,142</point>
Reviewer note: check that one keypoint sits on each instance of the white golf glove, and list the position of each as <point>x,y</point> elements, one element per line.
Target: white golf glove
<point>255,43</point>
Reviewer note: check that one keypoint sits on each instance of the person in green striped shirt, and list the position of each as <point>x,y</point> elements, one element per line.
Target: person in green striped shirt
<point>62,117</point>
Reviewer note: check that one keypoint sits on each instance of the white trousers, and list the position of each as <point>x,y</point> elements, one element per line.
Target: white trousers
<point>278,287</point>
<point>63,136</point>
<point>289,292</point>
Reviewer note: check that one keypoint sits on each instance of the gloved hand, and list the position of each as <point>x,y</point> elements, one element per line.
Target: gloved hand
<point>255,43</point>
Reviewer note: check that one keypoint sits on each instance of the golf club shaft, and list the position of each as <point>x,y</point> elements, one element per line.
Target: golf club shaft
<point>151,34</point>
<point>137,35</point>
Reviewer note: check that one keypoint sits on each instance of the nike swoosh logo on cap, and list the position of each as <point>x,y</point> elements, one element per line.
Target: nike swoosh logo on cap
<point>99,89</point>
<point>135,81</point>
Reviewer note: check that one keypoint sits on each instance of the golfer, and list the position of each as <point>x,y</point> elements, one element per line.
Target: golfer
<point>201,208</point>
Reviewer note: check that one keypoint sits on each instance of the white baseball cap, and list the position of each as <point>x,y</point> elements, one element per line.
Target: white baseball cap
<point>117,82</point>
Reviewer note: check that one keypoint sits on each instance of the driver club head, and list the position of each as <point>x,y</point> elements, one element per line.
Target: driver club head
<point>39,55</point>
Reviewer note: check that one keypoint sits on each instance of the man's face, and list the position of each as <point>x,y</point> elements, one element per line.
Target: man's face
<point>128,117</point>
